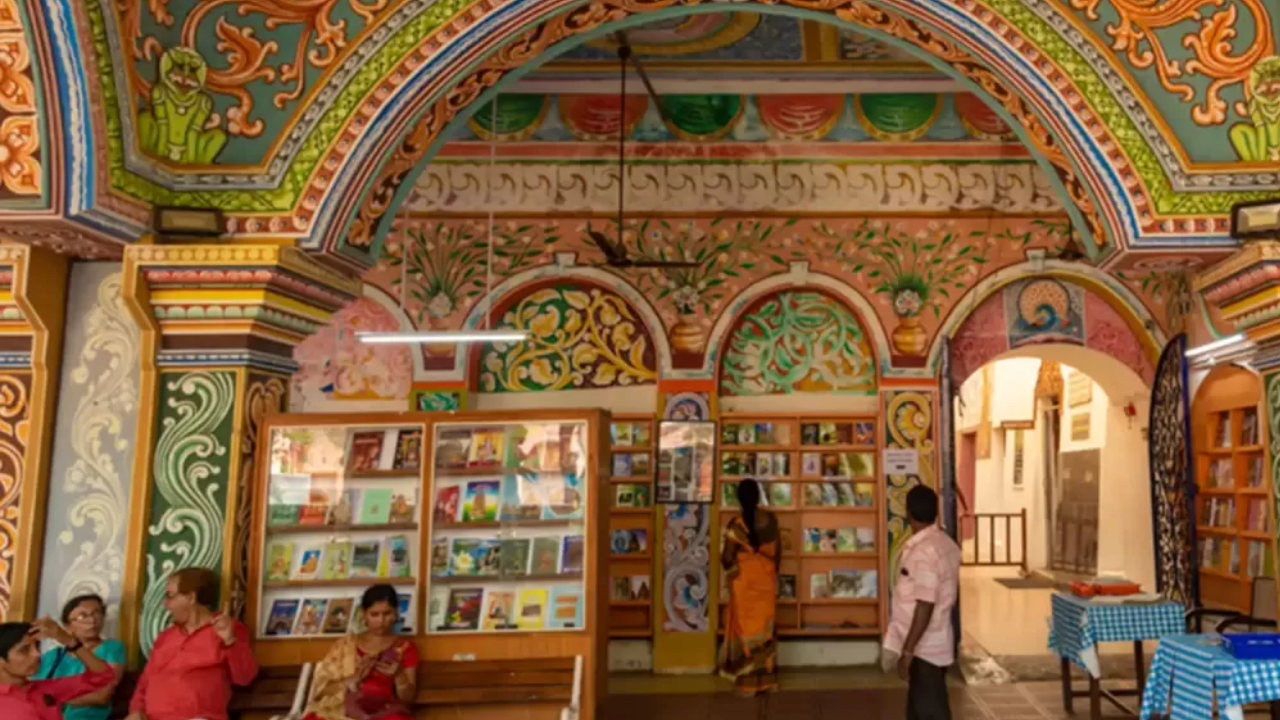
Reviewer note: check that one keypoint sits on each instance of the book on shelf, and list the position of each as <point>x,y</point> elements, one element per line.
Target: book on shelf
<point>1223,437</point>
<point>809,434</point>
<point>375,509</point>
<point>864,433</point>
<point>337,560</point>
<point>813,494</point>
<point>448,504</point>
<point>471,556</point>
<point>1254,472</point>
<point>632,541</point>
<point>279,561</point>
<point>1220,472</point>
<point>621,464</point>
<point>487,447</point>
<point>440,556</point>
<point>640,587</point>
<point>857,584</point>
<point>403,616</point>
<point>366,559</point>
<point>546,556</point>
<point>337,618</point>
<point>564,497</point>
<point>1257,556</point>
<point>365,454</point>
<point>746,434</point>
<point>846,539</point>
<point>1234,557</point>
<point>764,464</point>
<point>730,464</point>
<point>513,505</point>
<point>531,609</point>
<point>779,494</point>
<point>572,555</point>
<point>818,586</point>
<point>786,587</point>
<point>564,609</point>
<point>283,615</point>
<point>322,496</point>
<point>464,609</point>
<point>786,536</point>
<point>811,464</point>
<point>729,495</point>
<point>820,540</point>
<point>453,447</point>
<point>309,563</point>
<point>311,617</point>
<point>864,495</point>
<point>404,508</point>
<point>830,496</point>
<point>342,510</point>
<point>481,504</point>
<point>620,433</point>
<point>278,515</point>
<point>621,587</point>
<point>1249,428</point>
<point>398,556</point>
<point>408,450</point>
<point>499,606</point>
<point>641,435</point>
<point>641,464</point>
<point>516,553</point>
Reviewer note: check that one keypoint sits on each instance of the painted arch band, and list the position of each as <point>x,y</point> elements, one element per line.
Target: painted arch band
<point>1037,108</point>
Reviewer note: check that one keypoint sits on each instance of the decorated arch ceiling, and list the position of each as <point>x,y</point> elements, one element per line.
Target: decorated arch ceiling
<point>312,120</point>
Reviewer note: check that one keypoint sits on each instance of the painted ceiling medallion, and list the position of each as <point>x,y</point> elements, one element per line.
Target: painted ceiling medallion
<point>687,35</point>
<point>799,117</point>
<point>517,117</point>
<point>900,117</point>
<point>702,117</point>
<point>596,117</point>
<point>980,120</point>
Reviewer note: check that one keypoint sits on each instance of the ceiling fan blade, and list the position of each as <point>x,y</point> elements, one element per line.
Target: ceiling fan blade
<point>620,38</point>
<point>612,253</point>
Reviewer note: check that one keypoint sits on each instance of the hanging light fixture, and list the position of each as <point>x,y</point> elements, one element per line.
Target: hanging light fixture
<point>456,337</point>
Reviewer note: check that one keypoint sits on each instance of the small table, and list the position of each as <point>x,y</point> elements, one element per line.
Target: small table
<point>1189,672</point>
<point>1078,625</point>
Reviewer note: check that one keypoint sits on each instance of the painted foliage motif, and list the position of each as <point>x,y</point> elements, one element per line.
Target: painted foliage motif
<point>803,341</point>
<point>15,391</point>
<point>580,337</point>
<point>686,540</point>
<point>264,394</point>
<point>190,478</point>
<point>1171,500</point>
<point>908,418</point>
<point>21,175</point>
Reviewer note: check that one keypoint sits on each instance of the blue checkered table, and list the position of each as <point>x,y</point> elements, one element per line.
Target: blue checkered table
<point>1190,672</point>
<point>1078,625</point>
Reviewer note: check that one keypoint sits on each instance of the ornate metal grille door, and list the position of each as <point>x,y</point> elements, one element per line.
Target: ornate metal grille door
<point>1172,489</point>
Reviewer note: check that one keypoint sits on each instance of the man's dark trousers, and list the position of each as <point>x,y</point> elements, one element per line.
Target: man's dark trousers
<point>927,692</point>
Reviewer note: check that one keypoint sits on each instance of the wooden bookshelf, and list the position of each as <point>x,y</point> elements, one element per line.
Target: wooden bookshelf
<point>813,457</point>
<point>632,437</point>
<point>1233,513</point>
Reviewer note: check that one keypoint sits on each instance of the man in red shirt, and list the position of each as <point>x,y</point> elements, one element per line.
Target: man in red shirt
<point>196,660</point>
<point>24,699</point>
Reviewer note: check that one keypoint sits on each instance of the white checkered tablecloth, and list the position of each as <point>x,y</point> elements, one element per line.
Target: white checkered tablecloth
<point>1189,670</point>
<point>1078,625</point>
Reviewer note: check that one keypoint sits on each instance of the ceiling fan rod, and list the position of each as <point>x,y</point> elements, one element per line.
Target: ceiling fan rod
<point>626,53</point>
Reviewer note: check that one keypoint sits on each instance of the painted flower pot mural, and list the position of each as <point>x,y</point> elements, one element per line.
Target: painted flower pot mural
<point>916,273</point>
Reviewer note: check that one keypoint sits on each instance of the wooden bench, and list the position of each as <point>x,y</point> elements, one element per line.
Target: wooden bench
<point>272,693</point>
<point>496,682</point>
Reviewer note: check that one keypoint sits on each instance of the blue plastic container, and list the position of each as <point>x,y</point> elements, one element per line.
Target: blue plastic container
<point>1252,646</point>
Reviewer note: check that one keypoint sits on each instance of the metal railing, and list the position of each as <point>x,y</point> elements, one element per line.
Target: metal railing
<point>990,520</point>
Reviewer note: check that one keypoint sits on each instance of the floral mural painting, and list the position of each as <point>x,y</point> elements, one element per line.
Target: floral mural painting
<point>1044,310</point>
<point>580,337</point>
<point>334,365</point>
<point>803,341</point>
<point>908,418</point>
<point>917,272</point>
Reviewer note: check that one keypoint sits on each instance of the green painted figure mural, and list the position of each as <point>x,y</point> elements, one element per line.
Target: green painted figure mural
<point>1260,140</point>
<point>174,127</point>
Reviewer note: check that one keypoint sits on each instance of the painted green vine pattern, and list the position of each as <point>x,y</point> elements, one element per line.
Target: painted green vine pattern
<point>798,342</point>
<point>191,476</point>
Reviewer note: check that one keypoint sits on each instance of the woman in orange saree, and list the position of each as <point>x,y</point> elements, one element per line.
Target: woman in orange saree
<point>750,561</point>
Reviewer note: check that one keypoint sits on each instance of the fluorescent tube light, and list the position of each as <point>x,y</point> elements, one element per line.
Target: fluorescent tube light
<point>442,338</point>
<point>1215,345</point>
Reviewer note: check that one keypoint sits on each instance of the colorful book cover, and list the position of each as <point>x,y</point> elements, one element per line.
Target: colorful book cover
<point>404,618</point>
<point>498,610</point>
<point>487,447</point>
<point>440,556</point>
<point>818,586</point>
<point>448,500</point>
<point>316,510</point>
<point>338,617</point>
<point>404,509</point>
<point>398,556</point>
<point>764,434</point>
<point>436,606</point>
<point>621,588</point>
<point>476,557</point>
<point>572,555</point>
<point>846,540</point>
<point>342,511</point>
<point>463,612</point>
<point>513,506</point>
<point>284,613</point>
<point>532,609</point>
<point>644,497</point>
<point>786,587</point>
<point>337,560</point>
<point>482,501</point>
<point>278,515</point>
<point>640,465</point>
<point>408,450</point>
<point>624,496</point>
<point>764,464</point>
<point>366,559</point>
<point>310,563</point>
<point>729,495</point>
<point>453,447</point>
<point>827,433</point>
<point>731,464</point>
<point>857,465</point>
<point>864,539</point>
<point>640,587</point>
<point>844,583</point>
<point>621,433</point>
<point>565,495</point>
<point>621,464</point>
<point>516,553</point>
<point>365,452</point>
<point>830,497</point>
<point>809,434</point>
<point>845,493</point>
<point>864,495</point>
<point>279,561</point>
<point>864,433</point>
<point>811,464</point>
<point>564,609</point>
<point>812,494</point>
<point>728,434</point>
<point>746,435</point>
<point>788,539</point>
<point>829,541</point>
<point>546,556</point>
<point>629,542</point>
<point>311,617</point>
<point>640,436</point>
<point>376,506</point>
<point>869,586</point>
<point>812,540</point>
<point>779,494</point>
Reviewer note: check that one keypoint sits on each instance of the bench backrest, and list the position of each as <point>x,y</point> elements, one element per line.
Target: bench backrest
<point>496,682</point>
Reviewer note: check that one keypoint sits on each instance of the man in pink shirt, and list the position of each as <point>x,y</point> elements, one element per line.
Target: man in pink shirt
<point>920,640</point>
<point>24,699</point>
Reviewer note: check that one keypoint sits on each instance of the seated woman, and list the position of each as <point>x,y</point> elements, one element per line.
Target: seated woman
<point>370,676</point>
<point>197,659</point>
<point>84,616</point>
<point>22,698</point>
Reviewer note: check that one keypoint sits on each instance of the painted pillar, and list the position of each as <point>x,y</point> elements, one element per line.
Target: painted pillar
<point>217,327</point>
<point>1243,288</point>
<point>33,291</point>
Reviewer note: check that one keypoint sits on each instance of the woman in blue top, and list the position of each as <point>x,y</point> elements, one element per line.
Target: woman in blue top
<point>84,616</point>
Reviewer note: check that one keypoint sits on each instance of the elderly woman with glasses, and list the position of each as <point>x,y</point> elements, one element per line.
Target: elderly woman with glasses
<point>84,616</point>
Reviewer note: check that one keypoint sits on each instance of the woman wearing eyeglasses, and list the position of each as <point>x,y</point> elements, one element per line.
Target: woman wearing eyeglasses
<point>84,616</point>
